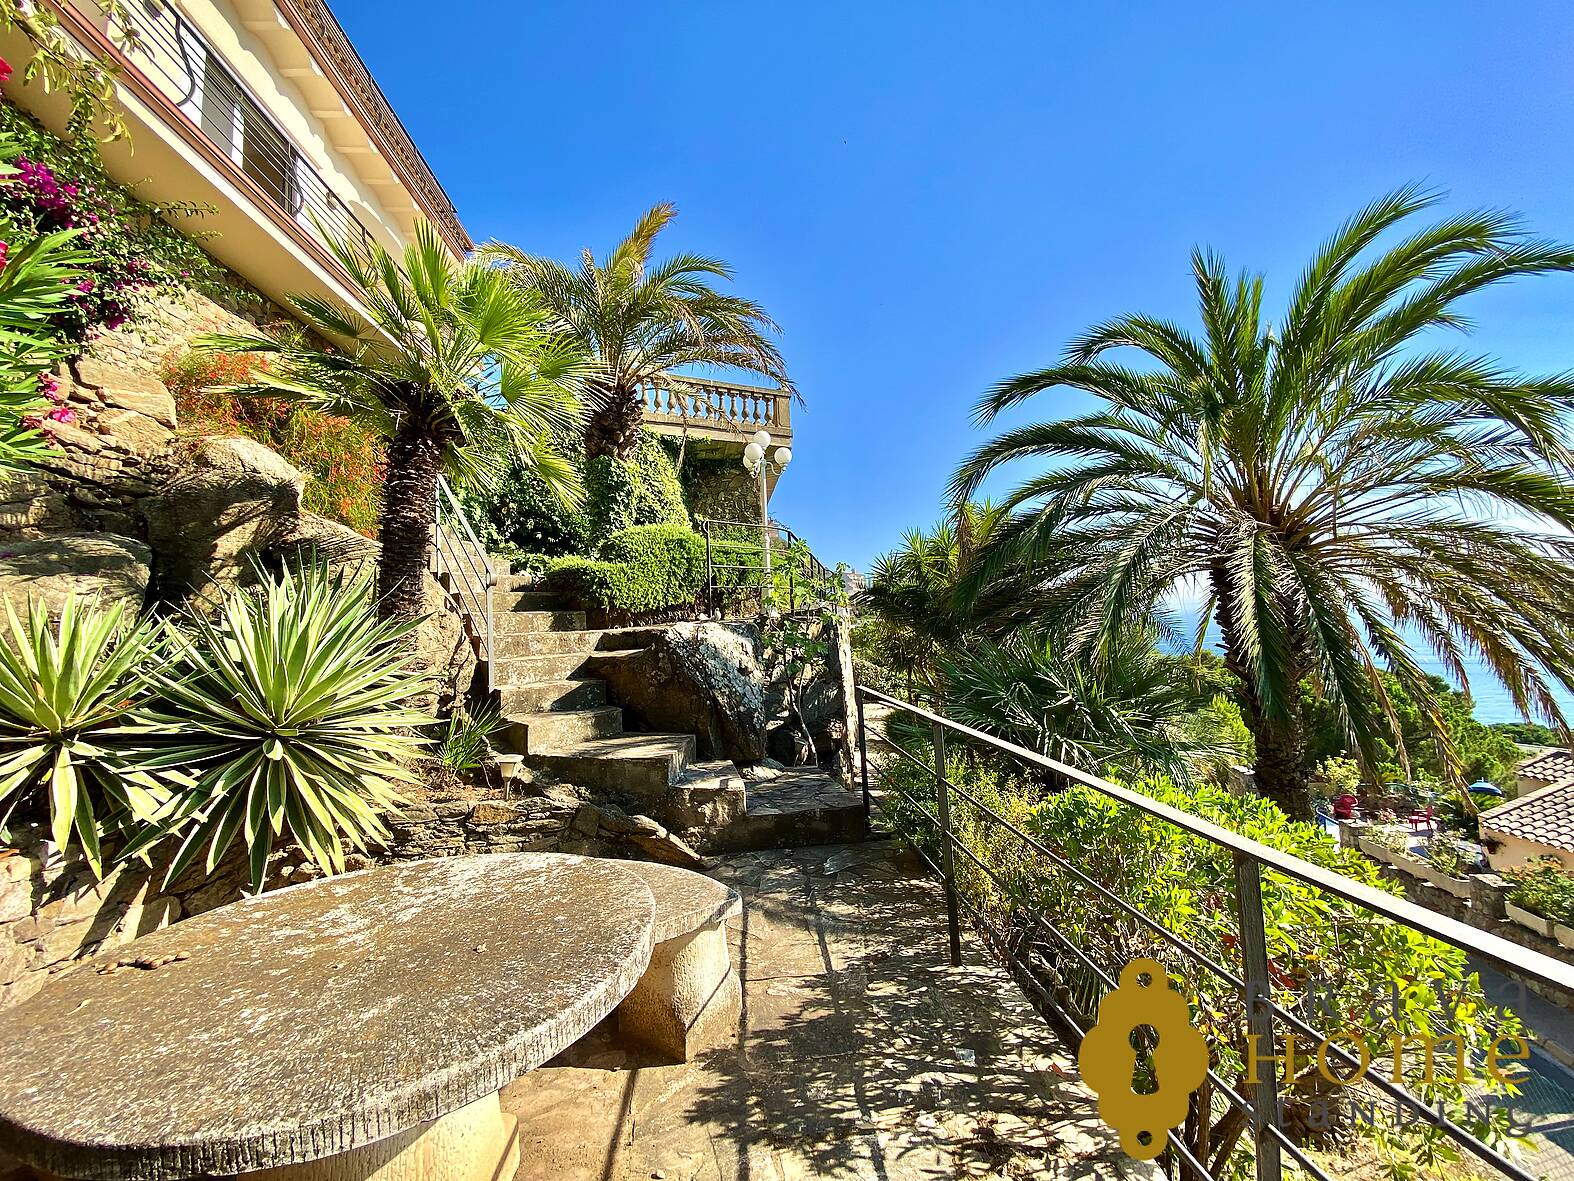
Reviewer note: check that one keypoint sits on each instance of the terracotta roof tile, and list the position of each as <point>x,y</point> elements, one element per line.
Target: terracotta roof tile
<point>1550,765</point>
<point>1545,816</point>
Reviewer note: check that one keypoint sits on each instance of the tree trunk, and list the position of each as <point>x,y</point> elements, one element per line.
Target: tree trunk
<point>613,426</point>
<point>409,511</point>
<point>1280,739</point>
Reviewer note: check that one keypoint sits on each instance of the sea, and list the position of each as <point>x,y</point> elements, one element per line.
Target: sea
<point>1492,702</point>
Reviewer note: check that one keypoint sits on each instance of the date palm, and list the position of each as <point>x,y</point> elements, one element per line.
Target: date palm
<point>641,320</point>
<point>1343,489</point>
<point>457,368</point>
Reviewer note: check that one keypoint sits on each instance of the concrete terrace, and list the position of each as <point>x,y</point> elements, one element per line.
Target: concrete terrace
<point>860,1054</point>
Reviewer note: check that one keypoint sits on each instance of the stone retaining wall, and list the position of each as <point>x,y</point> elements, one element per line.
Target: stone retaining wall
<point>167,321</point>
<point>53,912</point>
<point>1482,907</point>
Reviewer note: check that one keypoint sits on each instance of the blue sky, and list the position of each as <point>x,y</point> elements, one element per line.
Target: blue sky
<point>930,197</point>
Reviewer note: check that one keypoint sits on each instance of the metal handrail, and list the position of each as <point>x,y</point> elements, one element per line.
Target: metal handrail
<point>472,579</point>
<point>814,568</point>
<point>1249,858</point>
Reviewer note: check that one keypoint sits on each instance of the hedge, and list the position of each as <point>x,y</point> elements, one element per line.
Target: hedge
<point>642,569</point>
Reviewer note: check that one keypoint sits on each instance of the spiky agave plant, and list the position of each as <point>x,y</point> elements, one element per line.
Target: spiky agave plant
<point>71,742</point>
<point>287,709</point>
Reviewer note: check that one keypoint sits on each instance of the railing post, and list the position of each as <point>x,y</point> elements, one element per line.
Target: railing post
<point>947,863</point>
<point>710,577</point>
<point>863,748</point>
<point>1264,1088</point>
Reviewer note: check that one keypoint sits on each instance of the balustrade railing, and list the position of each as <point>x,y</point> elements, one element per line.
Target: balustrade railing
<point>464,568</point>
<point>1255,978</point>
<point>716,405</point>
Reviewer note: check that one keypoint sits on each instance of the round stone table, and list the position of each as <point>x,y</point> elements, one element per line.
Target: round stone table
<point>363,1023</point>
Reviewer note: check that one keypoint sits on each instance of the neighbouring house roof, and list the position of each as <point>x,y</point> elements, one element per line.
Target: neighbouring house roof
<point>320,32</point>
<point>1545,816</point>
<point>1551,765</point>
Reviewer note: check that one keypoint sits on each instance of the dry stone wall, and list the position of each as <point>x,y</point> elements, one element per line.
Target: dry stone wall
<point>169,321</point>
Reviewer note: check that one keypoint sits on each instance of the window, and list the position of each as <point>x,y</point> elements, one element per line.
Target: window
<point>234,122</point>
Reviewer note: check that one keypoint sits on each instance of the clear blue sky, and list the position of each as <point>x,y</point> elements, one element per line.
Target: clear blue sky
<point>930,197</point>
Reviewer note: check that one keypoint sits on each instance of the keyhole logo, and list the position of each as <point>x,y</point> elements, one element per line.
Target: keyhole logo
<point>1107,1059</point>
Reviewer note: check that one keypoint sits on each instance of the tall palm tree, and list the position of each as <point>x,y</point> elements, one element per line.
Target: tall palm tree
<point>457,368</point>
<point>641,320</point>
<point>1336,483</point>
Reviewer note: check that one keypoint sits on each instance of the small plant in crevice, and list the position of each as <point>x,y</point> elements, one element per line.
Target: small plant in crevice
<point>465,743</point>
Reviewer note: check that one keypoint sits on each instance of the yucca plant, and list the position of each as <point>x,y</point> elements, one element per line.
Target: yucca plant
<point>71,743</point>
<point>286,708</point>
<point>466,738</point>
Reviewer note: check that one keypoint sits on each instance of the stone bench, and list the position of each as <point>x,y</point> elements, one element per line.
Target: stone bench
<point>689,998</point>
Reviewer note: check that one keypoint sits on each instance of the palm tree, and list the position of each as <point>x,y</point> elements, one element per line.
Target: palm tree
<point>1340,488</point>
<point>641,320</point>
<point>1131,711</point>
<point>912,590</point>
<point>457,369</point>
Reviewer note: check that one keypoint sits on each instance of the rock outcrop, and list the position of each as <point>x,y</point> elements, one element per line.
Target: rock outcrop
<point>230,500</point>
<point>703,679</point>
<point>105,566</point>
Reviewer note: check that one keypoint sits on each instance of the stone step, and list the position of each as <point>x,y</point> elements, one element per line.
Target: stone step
<point>508,623</point>
<point>560,728</point>
<point>543,696</point>
<point>528,670</point>
<point>525,600</point>
<point>644,766</point>
<point>797,809</point>
<point>545,643</point>
<point>707,798</point>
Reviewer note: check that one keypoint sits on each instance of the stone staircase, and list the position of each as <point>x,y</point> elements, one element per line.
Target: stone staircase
<point>562,721</point>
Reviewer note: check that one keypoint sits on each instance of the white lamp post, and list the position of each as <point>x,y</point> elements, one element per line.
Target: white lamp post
<point>757,461</point>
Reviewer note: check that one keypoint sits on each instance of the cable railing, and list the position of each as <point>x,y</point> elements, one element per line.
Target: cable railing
<point>169,50</point>
<point>463,567</point>
<point>785,566</point>
<point>1265,1019</point>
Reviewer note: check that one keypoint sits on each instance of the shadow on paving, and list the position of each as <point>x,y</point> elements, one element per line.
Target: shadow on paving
<point>860,1054</point>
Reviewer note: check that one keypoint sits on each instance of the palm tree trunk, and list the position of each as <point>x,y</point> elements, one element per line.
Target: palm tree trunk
<point>409,510</point>
<point>1278,773</point>
<point>613,426</point>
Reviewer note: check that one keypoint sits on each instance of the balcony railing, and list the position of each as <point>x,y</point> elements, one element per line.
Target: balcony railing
<point>160,43</point>
<point>716,409</point>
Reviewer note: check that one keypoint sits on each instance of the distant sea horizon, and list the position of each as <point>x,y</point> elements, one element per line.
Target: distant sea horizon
<point>1490,700</point>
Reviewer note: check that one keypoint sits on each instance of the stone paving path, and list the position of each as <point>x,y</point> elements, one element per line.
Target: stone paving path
<point>860,1054</point>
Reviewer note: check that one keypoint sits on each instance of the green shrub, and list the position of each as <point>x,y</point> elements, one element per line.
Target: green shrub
<point>287,709</point>
<point>642,569</point>
<point>520,514</point>
<point>466,738</point>
<point>69,695</point>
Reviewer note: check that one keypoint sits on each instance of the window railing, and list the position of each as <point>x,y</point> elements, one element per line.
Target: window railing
<point>172,54</point>
<point>716,406</point>
<point>1253,982</point>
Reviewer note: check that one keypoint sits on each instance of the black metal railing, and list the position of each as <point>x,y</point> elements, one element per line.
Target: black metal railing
<point>169,50</point>
<point>784,572</point>
<point>464,569</point>
<point>1261,1106</point>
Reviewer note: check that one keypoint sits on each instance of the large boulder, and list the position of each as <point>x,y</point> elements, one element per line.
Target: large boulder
<point>444,648</point>
<point>703,679</point>
<point>318,539</point>
<point>230,499</point>
<point>63,565</point>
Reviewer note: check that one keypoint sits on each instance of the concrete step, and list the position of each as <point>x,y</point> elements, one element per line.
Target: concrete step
<point>560,728</point>
<point>708,798</point>
<point>545,643</point>
<point>644,766</point>
<point>528,670</point>
<point>551,695</point>
<point>508,623</point>
<point>797,809</point>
